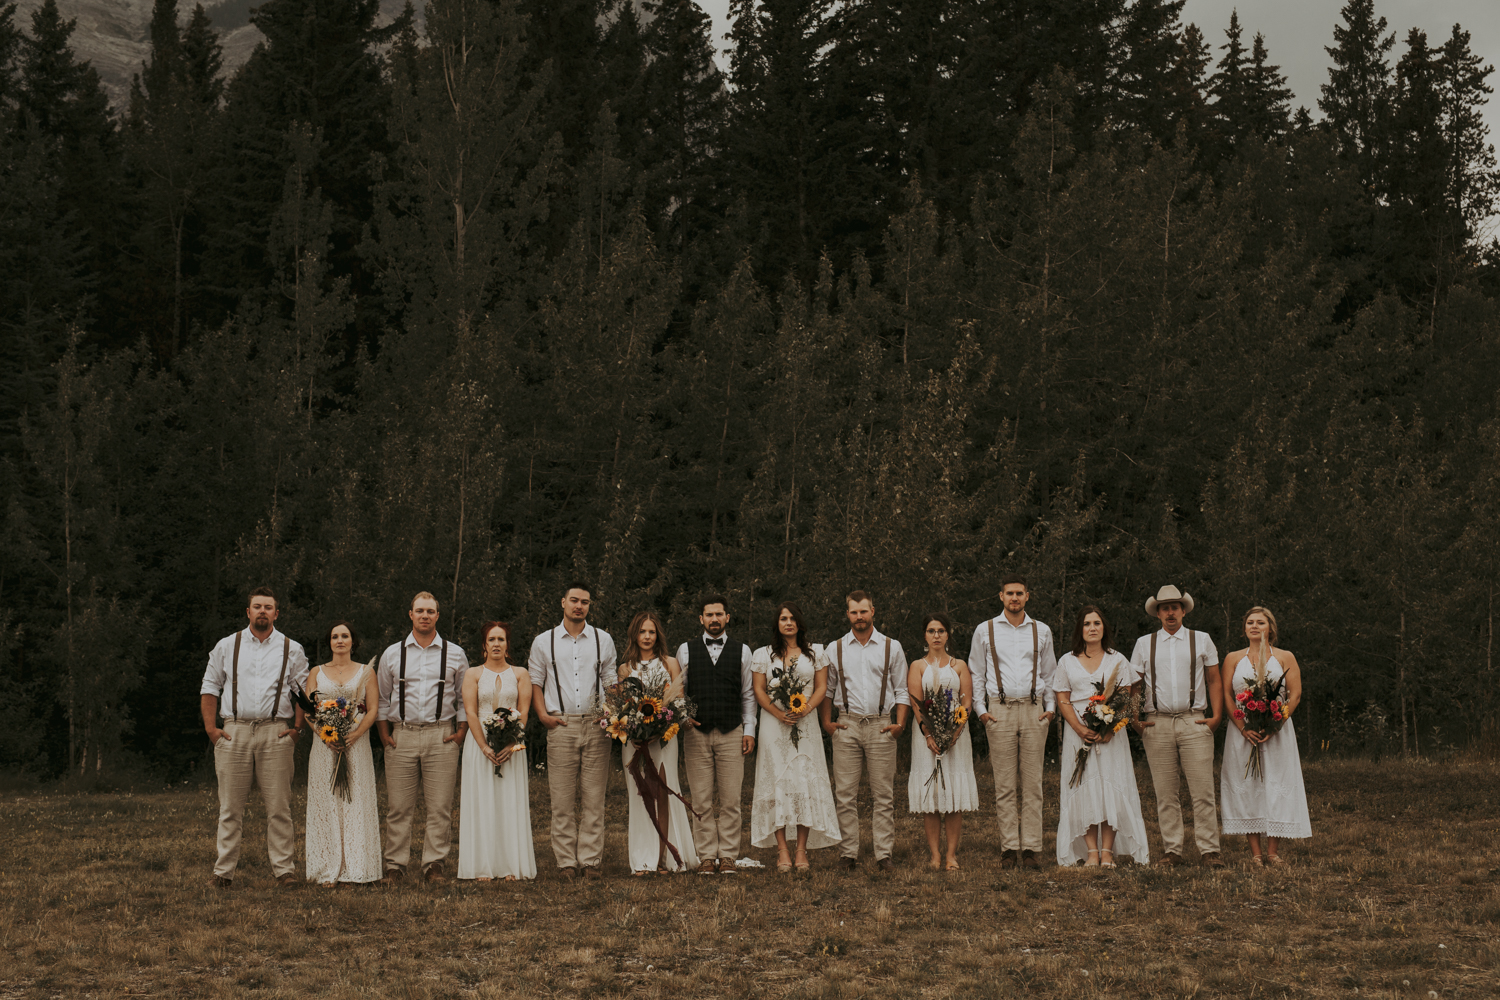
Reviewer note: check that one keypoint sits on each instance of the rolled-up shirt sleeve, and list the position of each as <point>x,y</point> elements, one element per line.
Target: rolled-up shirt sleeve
<point>898,673</point>
<point>458,685</point>
<point>216,674</point>
<point>386,677</point>
<point>979,669</point>
<point>747,690</point>
<point>1046,670</point>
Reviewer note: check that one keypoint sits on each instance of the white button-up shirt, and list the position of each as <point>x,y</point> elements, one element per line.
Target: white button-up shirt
<point>423,671</point>
<point>864,667</point>
<point>260,669</point>
<point>1172,678</point>
<point>747,676</point>
<point>585,667</point>
<point>1013,647</point>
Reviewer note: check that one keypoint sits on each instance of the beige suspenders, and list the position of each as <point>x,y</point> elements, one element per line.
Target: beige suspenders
<point>234,669</point>
<point>885,674</point>
<point>1036,649</point>
<point>1192,670</point>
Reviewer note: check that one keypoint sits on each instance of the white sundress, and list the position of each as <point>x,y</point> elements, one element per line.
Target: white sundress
<point>494,814</point>
<point>343,838</point>
<point>791,782</point>
<point>1276,804</point>
<point>955,790</point>
<point>643,842</point>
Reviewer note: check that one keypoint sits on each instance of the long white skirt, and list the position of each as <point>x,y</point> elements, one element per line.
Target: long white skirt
<point>1276,805</point>
<point>792,787</point>
<point>1108,794</point>
<point>644,843</point>
<point>494,817</point>
<point>955,790</point>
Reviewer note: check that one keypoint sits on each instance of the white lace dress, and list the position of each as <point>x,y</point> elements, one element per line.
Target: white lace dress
<point>1275,805</point>
<point>494,813</point>
<point>1108,793</point>
<point>791,782</point>
<point>954,789</point>
<point>343,838</point>
<point>644,843</point>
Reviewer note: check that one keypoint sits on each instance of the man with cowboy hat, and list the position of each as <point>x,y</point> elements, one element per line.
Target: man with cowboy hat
<point>1181,707</point>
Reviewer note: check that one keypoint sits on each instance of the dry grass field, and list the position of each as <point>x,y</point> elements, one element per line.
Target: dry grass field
<point>106,895</point>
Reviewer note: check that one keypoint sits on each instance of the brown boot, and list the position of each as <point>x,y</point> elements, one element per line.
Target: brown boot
<point>1007,859</point>
<point>1212,860</point>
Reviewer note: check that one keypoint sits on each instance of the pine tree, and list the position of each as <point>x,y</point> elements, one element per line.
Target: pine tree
<point>1251,97</point>
<point>1153,84</point>
<point>1429,234</point>
<point>1473,179</point>
<point>1356,99</point>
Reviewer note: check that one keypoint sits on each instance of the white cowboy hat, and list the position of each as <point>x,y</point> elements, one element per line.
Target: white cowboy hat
<point>1166,595</point>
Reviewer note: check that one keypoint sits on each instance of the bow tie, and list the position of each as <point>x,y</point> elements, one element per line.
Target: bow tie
<point>714,642</point>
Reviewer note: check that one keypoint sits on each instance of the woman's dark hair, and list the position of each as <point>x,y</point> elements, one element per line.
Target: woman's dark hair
<point>633,649</point>
<point>484,636</point>
<point>353,637</point>
<point>940,618</point>
<point>777,642</point>
<point>1106,639</point>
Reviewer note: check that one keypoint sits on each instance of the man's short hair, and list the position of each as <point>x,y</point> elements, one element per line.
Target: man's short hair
<point>1009,579</point>
<point>578,585</point>
<point>424,596</point>
<point>265,592</point>
<point>713,599</point>
<point>855,596</point>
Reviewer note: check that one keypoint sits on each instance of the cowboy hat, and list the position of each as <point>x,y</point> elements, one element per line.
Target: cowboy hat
<point>1166,595</point>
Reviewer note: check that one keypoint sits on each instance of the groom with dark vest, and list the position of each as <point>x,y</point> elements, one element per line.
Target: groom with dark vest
<point>720,683</point>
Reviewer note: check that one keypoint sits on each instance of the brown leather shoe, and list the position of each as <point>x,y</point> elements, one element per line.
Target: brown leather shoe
<point>287,881</point>
<point>886,865</point>
<point>728,867</point>
<point>592,873</point>
<point>1168,861</point>
<point>1212,860</point>
<point>393,876</point>
<point>710,866</point>
<point>848,864</point>
<point>569,873</point>
<point>1030,860</point>
<point>220,882</point>
<point>434,872</point>
<point>1007,859</point>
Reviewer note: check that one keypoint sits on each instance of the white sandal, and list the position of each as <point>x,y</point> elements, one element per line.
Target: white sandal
<point>1102,862</point>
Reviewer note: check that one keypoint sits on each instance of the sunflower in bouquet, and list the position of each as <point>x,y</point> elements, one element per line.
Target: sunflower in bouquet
<point>944,715</point>
<point>638,713</point>
<point>332,720</point>
<point>1110,709</point>
<point>789,691</point>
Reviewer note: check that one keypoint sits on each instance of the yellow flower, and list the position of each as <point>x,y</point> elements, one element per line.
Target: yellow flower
<point>328,734</point>
<point>795,703</point>
<point>960,715</point>
<point>671,732</point>
<point>616,729</point>
<point>1121,724</point>
<point>649,708</point>
<point>328,703</point>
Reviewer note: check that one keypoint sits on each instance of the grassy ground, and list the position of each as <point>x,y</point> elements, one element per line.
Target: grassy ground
<point>1398,895</point>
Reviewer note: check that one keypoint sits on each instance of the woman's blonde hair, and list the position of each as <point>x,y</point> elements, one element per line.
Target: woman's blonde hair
<point>1260,655</point>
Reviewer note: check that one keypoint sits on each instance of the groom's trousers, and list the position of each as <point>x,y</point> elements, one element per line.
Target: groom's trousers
<point>254,754</point>
<point>420,758</point>
<point>577,769</point>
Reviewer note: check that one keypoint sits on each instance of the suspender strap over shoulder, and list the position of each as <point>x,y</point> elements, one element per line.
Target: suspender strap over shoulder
<point>995,659</point>
<point>402,706</point>
<point>286,652</point>
<point>1192,668</point>
<point>598,665</point>
<point>1035,657</point>
<point>885,673</point>
<point>843,677</point>
<point>442,679</point>
<point>1155,703</point>
<point>234,691</point>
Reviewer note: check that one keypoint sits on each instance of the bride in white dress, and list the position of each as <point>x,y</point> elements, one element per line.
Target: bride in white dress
<point>343,838</point>
<point>494,815</point>
<point>644,659</point>
<point>1275,804</point>
<point>793,795</point>
<point>942,797</point>
<point>1102,816</point>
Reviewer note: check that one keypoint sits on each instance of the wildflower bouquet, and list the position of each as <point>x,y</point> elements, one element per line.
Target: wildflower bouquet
<point>333,719</point>
<point>789,691</point>
<point>1109,710</point>
<point>503,729</point>
<point>1263,710</point>
<point>945,715</point>
<point>639,714</point>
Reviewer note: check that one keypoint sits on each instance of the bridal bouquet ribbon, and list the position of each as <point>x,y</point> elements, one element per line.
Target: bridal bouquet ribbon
<point>638,714</point>
<point>1109,710</point>
<point>1263,708</point>
<point>502,729</point>
<point>945,716</point>
<point>789,692</point>
<point>333,719</point>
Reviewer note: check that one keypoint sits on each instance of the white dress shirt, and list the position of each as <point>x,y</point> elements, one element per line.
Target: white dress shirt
<point>864,666</point>
<point>585,667</point>
<point>423,671</point>
<point>1172,678</point>
<point>747,676</point>
<point>260,669</point>
<point>1014,648</point>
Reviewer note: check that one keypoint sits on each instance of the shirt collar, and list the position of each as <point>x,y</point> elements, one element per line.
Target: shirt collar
<point>874,636</point>
<point>723,636</point>
<point>1181,633</point>
<point>267,640</point>
<point>1025,620</point>
<point>437,640</point>
<point>562,631</point>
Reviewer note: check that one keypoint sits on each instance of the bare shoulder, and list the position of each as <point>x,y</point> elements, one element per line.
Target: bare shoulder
<point>960,664</point>
<point>672,663</point>
<point>1286,657</point>
<point>1235,657</point>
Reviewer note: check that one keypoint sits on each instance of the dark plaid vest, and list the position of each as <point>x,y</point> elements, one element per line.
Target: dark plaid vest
<point>715,687</point>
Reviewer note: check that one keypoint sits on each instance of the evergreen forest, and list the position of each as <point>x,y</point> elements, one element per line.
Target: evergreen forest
<point>910,295</point>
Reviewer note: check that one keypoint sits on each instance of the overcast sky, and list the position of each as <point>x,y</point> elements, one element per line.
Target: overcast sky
<point>1297,30</point>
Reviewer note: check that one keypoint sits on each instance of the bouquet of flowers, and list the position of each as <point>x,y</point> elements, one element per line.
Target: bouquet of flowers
<point>333,719</point>
<point>503,729</point>
<point>945,715</point>
<point>1262,707</point>
<point>789,691</point>
<point>636,713</point>
<point>1109,710</point>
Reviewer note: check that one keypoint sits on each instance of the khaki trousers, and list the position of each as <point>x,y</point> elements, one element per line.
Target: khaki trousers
<point>862,746</point>
<point>1177,741</point>
<point>420,757</point>
<point>253,754</point>
<point>1018,741</point>
<point>715,763</point>
<point>577,769</point>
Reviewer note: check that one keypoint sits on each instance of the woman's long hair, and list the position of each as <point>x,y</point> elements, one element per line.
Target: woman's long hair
<point>1260,653</point>
<point>484,639</point>
<point>778,641</point>
<point>353,638</point>
<point>633,651</point>
<point>1106,638</point>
